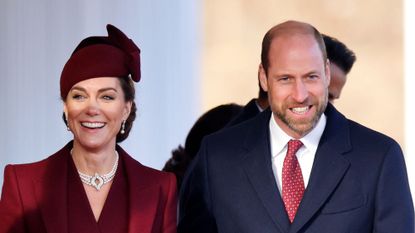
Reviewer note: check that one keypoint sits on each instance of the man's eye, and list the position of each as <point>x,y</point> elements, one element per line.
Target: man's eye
<point>284,79</point>
<point>312,77</point>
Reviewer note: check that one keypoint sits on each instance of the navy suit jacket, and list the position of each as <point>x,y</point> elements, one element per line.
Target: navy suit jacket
<point>358,183</point>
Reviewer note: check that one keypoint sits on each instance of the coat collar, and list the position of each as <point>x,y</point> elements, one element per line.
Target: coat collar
<point>328,160</point>
<point>51,193</point>
<point>257,165</point>
<point>329,167</point>
<point>143,196</point>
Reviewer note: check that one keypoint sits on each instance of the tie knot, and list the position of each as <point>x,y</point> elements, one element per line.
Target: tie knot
<point>294,146</point>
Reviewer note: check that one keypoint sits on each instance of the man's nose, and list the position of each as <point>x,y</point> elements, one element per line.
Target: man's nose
<point>300,92</point>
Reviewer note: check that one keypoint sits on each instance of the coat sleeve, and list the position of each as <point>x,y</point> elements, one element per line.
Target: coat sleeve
<point>11,209</point>
<point>195,214</point>
<point>170,211</point>
<point>394,211</point>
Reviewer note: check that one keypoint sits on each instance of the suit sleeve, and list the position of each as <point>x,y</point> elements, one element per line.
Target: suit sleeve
<point>394,211</point>
<point>170,212</point>
<point>11,210</point>
<point>195,198</point>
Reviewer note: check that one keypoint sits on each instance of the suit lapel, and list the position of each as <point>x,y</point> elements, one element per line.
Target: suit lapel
<point>143,196</point>
<point>329,167</point>
<point>257,165</point>
<point>328,170</point>
<point>51,191</point>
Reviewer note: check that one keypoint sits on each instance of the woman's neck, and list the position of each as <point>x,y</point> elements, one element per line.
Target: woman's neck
<point>93,161</point>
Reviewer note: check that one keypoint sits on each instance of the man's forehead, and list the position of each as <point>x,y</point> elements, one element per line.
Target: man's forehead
<point>289,43</point>
<point>290,28</point>
<point>294,42</point>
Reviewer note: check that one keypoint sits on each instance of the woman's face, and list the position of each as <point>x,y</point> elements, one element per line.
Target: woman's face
<point>95,109</point>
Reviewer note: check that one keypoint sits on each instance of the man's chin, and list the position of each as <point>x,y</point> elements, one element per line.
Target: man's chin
<point>301,128</point>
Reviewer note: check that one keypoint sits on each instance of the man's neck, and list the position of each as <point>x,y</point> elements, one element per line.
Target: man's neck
<point>262,103</point>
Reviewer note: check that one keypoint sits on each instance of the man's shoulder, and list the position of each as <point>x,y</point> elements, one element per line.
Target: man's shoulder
<point>359,136</point>
<point>347,135</point>
<point>364,134</point>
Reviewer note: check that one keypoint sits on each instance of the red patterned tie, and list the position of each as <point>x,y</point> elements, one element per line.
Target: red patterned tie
<point>292,180</point>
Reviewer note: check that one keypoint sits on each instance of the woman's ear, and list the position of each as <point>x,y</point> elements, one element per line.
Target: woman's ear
<point>127,109</point>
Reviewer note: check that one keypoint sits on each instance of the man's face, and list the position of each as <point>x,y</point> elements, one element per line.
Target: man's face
<point>297,83</point>
<point>337,81</point>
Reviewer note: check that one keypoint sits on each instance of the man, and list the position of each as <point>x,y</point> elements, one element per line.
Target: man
<point>341,62</point>
<point>334,176</point>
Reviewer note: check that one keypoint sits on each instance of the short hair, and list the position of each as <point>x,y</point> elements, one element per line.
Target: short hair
<point>272,33</point>
<point>339,54</point>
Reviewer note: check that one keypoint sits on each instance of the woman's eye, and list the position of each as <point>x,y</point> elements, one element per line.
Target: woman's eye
<point>108,97</point>
<point>77,97</point>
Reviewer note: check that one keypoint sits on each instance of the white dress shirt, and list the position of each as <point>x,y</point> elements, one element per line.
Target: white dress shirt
<point>305,154</point>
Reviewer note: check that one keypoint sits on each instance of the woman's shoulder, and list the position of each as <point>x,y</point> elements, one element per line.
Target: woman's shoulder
<point>27,167</point>
<point>38,166</point>
<point>33,167</point>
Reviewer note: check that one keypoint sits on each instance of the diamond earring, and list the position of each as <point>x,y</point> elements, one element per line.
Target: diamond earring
<point>123,127</point>
<point>67,123</point>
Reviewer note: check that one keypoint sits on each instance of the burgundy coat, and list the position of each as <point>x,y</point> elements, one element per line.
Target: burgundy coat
<point>34,196</point>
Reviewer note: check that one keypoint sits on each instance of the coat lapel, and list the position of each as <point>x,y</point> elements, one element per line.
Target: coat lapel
<point>257,165</point>
<point>143,196</point>
<point>51,191</point>
<point>329,167</point>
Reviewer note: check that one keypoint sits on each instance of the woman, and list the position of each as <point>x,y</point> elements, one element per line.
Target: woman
<point>92,185</point>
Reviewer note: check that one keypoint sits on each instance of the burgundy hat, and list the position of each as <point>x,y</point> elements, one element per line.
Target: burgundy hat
<point>101,56</point>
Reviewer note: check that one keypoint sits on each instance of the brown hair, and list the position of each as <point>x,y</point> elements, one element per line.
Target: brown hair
<point>127,85</point>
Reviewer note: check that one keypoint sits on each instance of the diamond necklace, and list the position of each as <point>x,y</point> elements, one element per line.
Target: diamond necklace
<point>97,180</point>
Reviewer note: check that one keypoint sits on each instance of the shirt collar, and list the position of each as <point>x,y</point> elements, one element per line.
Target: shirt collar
<point>279,138</point>
<point>259,107</point>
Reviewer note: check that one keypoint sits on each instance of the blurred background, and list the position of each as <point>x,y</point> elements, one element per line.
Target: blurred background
<point>195,55</point>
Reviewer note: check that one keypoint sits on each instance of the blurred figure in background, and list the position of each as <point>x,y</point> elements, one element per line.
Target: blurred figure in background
<point>210,122</point>
<point>341,62</point>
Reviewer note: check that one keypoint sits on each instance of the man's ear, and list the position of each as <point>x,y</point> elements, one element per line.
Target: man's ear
<point>263,78</point>
<point>328,72</point>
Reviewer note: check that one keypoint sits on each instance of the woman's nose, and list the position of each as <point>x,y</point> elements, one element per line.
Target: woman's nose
<point>92,108</point>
